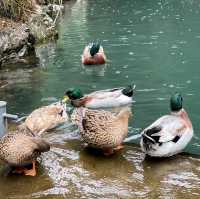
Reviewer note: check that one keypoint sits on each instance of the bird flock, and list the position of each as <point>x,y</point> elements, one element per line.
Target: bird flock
<point>99,127</point>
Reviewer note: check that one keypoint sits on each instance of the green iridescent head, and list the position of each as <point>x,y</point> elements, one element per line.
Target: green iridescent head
<point>74,93</point>
<point>176,102</point>
<point>94,49</point>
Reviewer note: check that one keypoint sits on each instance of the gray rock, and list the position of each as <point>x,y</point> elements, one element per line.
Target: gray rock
<point>15,42</point>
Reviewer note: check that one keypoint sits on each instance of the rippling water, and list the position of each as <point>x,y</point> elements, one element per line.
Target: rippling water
<point>154,44</point>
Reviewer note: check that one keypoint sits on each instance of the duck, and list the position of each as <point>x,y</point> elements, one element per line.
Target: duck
<point>93,54</point>
<point>169,134</point>
<point>110,98</point>
<point>46,118</point>
<point>102,129</point>
<point>19,149</point>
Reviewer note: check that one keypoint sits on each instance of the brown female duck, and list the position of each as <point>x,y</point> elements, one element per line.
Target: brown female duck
<point>102,129</point>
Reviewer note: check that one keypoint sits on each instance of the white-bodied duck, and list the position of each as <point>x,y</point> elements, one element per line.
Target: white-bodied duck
<point>169,134</point>
<point>109,98</point>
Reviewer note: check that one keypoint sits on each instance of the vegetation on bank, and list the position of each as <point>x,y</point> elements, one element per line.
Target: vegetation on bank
<point>25,23</point>
<point>17,9</point>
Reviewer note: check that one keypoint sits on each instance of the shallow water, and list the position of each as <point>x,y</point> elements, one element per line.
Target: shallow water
<point>151,43</point>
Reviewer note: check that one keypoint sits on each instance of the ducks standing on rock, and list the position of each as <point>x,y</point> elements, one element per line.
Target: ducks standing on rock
<point>101,99</point>
<point>169,134</point>
<point>93,54</point>
<point>102,129</point>
<point>46,118</point>
<point>18,149</point>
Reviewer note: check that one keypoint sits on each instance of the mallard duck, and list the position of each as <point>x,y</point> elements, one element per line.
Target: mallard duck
<point>18,149</point>
<point>102,129</point>
<point>93,54</point>
<point>101,99</point>
<point>169,134</point>
<point>45,118</point>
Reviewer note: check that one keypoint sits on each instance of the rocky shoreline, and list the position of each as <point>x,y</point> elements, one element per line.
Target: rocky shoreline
<point>17,39</point>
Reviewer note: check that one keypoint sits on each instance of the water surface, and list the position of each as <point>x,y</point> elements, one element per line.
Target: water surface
<point>154,44</point>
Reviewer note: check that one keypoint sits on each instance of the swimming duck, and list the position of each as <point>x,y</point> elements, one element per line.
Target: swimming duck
<point>18,149</point>
<point>93,54</point>
<point>46,118</point>
<point>102,129</point>
<point>101,99</point>
<point>169,134</point>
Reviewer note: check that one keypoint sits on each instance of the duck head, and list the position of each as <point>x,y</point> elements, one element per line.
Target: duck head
<point>94,49</point>
<point>176,102</point>
<point>72,94</point>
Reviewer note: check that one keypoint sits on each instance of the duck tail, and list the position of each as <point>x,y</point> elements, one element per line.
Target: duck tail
<point>149,136</point>
<point>128,91</point>
<point>23,128</point>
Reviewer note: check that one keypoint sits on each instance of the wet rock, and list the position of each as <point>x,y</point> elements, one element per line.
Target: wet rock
<point>17,40</point>
<point>15,43</point>
<point>42,25</point>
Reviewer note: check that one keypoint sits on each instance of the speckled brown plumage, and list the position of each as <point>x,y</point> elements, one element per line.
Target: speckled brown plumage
<point>102,129</point>
<point>19,148</point>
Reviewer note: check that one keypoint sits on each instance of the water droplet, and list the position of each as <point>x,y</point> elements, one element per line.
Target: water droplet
<point>174,46</point>
<point>118,72</point>
<point>125,66</point>
<point>143,18</point>
<point>188,81</point>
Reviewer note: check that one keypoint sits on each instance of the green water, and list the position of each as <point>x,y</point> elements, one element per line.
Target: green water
<point>154,44</point>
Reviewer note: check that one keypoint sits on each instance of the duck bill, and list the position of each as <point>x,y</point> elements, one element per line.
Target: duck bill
<point>65,99</point>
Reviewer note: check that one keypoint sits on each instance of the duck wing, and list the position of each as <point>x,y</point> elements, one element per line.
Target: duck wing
<point>108,93</point>
<point>88,119</point>
<point>165,129</point>
<point>46,118</point>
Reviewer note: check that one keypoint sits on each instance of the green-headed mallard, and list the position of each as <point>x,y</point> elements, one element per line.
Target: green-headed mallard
<point>102,129</point>
<point>93,54</point>
<point>45,118</point>
<point>21,148</point>
<point>169,134</point>
<point>101,99</point>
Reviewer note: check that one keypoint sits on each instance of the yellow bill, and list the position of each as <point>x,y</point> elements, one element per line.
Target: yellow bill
<point>65,99</point>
